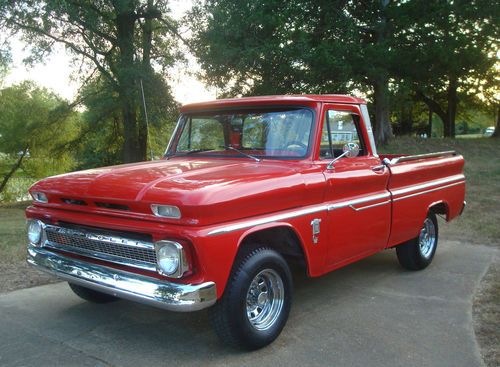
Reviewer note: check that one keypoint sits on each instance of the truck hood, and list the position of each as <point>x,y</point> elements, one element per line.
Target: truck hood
<point>206,190</point>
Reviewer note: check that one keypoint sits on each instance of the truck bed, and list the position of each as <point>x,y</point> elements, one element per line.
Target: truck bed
<point>418,182</point>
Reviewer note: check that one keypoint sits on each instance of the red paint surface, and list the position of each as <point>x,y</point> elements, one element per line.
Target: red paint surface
<point>214,192</point>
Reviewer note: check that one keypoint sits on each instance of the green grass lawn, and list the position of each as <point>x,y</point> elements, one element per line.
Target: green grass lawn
<point>12,232</point>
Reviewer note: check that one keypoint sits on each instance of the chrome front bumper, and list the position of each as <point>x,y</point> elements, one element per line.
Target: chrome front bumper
<point>131,286</point>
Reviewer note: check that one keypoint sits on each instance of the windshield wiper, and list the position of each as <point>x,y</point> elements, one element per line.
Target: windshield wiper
<point>174,154</point>
<point>242,153</point>
<point>196,151</point>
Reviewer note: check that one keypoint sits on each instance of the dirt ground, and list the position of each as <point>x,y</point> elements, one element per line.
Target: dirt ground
<point>486,315</point>
<point>20,275</point>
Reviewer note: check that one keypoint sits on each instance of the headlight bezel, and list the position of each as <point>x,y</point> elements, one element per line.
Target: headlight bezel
<point>39,197</point>
<point>181,256</point>
<point>39,239</point>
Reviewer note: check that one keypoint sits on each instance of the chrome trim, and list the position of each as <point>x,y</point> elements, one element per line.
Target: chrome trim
<point>102,256</point>
<point>102,238</point>
<point>427,191</point>
<point>369,130</point>
<point>369,206</point>
<point>295,213</point>
<point>174,135</point>
<point>134,287</point>
<point>183,263</point>
<point>43,236</point>
<point>155,210</point>
<point>408,158</point>
<point>272,218</point>
<point>463,207</point>
<point>99,255</point>
<point>428,184</point>
<point>349,203</point>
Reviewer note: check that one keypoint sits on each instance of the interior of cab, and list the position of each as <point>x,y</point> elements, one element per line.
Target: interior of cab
<point>340,128</point>
<point>282,132</point>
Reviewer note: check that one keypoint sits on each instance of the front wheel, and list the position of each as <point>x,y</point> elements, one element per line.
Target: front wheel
<point>418,253</point>
<point>91,295</point>
<point>256,302</point>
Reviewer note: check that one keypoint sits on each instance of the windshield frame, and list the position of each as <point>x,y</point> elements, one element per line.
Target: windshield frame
<point>171,152</point>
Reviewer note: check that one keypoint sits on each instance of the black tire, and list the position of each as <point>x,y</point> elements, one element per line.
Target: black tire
<point>417,254</point>
<point>90,295</point>
<point>236,318</point>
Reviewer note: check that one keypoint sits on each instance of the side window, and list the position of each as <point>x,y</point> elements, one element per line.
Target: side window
<point>339,128</point>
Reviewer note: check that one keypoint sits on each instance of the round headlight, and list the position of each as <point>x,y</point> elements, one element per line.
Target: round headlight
<point>35,229</point>
<point>168,259</point>
<point>171,259</point>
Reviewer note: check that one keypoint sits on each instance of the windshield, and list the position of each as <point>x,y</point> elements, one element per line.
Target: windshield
<point>281,133</point>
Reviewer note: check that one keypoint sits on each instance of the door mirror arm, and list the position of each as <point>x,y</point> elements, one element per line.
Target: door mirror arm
<point>351,150</point>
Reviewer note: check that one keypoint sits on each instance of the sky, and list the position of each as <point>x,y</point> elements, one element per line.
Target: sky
<point>56,72</point>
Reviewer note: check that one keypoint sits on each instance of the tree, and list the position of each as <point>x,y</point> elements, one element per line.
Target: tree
<point>118,40</point>
<point>34,124</point>
<point>101,138</point>
<point>446,50</point>
<point>262,47</point>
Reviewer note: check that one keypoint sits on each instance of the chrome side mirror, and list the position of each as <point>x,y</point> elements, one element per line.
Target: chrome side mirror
<point>350,150</point>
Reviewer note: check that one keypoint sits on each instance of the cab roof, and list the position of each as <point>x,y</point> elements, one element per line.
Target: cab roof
<point>303,99</point>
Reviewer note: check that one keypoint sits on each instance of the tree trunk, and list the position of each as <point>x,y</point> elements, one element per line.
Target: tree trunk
<point>13,169</point>
<point>496,134</point>
<point>134,147</point>
<point>434,107</point>
<point>429,124</point>
<point>383,129</point>
<point>449,130</point>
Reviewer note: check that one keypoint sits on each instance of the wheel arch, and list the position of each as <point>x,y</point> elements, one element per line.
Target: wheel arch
<point>280,236</point>
<point>440,207</point>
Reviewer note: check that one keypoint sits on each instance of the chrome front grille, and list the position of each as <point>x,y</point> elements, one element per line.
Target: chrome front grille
<point>103,246</point>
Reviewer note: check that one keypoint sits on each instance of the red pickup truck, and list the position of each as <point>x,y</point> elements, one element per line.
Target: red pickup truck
<point>247,188</point>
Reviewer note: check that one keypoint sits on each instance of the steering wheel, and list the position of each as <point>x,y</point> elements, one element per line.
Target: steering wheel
<point>296,143</point>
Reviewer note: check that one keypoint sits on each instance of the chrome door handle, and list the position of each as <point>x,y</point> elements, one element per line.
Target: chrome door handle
<point>379,168</point>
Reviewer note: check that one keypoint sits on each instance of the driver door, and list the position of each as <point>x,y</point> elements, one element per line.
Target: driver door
<point>359,207</point>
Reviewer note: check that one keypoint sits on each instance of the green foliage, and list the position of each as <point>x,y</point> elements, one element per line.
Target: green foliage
<point>392,51</point>
<point>117,43</point>
<point>35,125</point>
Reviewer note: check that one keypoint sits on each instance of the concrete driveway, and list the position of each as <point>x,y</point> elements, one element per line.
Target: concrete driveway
<point>372,313</point>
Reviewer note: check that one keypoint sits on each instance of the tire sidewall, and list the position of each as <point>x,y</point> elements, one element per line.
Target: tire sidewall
<point>423,261</point>
<point>264,259</point>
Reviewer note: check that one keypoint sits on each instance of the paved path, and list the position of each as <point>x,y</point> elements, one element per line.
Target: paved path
<point>371,313</point>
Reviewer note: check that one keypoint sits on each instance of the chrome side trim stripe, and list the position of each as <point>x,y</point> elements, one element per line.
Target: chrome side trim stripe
<point>298,213</point>
<point>369,206</point>
<point>272,218</point>
<point>408,158</point>
<point>428,184</point>
<point>427,191</point>
<point>366,199</point>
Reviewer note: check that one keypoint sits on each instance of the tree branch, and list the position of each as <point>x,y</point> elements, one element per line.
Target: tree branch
<point>72,46</point>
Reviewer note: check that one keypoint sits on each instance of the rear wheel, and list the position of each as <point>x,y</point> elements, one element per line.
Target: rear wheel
<point>91,295</point>
<point>418,253</point>
<point>256,302</point>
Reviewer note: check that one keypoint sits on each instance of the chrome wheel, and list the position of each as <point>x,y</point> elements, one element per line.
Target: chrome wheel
<point>265,299</point>
<point>427,238</point>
